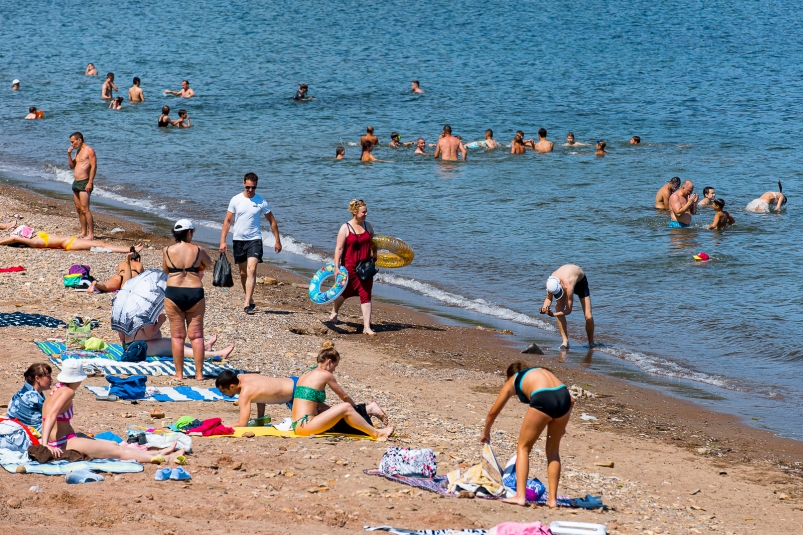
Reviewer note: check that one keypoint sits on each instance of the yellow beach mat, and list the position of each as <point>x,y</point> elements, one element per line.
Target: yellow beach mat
<point>273,432</point>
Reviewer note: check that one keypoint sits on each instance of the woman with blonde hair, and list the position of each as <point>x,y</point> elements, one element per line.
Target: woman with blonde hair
<point>310,393</point>
<point>550,406</point>
<point>354,247</point>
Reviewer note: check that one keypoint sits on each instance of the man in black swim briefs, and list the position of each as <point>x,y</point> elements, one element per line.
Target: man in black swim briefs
<point>562,285</point>
<point>84,165</point>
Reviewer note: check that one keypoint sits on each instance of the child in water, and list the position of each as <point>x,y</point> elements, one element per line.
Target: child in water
<point>116,103</point>
<point>722,218</point>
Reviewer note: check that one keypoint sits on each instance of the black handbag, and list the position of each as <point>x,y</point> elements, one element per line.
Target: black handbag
<point>222,273</point>
<point>366,270</point>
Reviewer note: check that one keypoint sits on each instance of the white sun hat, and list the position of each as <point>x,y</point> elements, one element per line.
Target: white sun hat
<point>72,371</point>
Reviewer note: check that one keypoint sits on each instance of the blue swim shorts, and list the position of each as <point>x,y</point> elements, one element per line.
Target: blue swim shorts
<point>677,224</point>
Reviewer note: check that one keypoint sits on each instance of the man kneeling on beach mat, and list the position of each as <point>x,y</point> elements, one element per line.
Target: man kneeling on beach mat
<point>256,388</point>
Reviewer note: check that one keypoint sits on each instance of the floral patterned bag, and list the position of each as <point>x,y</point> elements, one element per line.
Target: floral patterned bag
<point>409,462</point>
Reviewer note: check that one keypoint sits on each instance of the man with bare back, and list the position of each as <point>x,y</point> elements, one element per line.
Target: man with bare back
<point>85,165</point>
<point>448,146</point>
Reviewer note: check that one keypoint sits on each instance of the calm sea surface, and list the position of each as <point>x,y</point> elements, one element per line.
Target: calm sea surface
<point>714,90</point>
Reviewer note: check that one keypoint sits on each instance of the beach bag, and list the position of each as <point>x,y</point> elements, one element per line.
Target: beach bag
<point>78,269</point>
<point>130,388</point>
<point>73,281</point>
<point>409,462</point>
<point>136,352</point>
<point>77,334</point>
<point>222,273</point>
<point>366,270</point>
<point>23,231</point>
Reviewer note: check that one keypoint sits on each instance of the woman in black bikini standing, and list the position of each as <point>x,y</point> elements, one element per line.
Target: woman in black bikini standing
<point>550,407</point>
<point>184,297</point>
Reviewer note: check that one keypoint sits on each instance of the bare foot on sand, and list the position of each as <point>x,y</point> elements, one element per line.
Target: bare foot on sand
<point>209,343</point>
<point>375,410</point>
<point>227,351</point>
<point>333,319</point>
<point>170,449</point>
<point>369,332</point>
<point>139,247</point>
<point>516,500</point>
<point>176,377</point>
<point>384,434</point>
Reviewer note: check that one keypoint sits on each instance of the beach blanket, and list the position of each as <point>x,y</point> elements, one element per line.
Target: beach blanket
<point>172,393</point>
<point>270,431</point>
<point>17,319</point>
<point>113,352</point>
<point>110,367</point>
<point>440,485</point>
<point>60,468</point>
<point>399,531</point>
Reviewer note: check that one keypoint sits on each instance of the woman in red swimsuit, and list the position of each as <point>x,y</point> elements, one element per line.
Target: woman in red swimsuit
<point>353,247</point>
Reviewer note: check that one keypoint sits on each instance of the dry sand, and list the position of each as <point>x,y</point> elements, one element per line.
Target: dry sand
<point>677,468</point>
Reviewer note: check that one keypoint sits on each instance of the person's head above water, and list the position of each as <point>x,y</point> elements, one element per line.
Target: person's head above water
<point>340,151</point>
<point>719,203</point>
<point>447,129</point>
<point>570,138</point>
<point>674,183</point>
<point>15,84</point>
<point>32,109</point>
<point>421,143</point>
<point>554,287</point>
<point>601,144</point>
<point>366,145</point>
<point>489,134</point>
<point>181,113</point>
<point>165,110</point>
<point>136,80</point>
<point>542,133</point>
<point>394,136</point>
<point>328,352</point>
<point>709,192</point>
<point>110,76</point>
<point>635,140</point>
<point>687,188</point>
<point>185,84</point>
<point>369,130</point>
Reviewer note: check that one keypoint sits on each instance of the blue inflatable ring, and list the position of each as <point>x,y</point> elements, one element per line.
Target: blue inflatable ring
<point>321,298</point>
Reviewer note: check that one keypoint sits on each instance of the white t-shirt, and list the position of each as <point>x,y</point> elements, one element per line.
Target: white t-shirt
<point>247,214</point>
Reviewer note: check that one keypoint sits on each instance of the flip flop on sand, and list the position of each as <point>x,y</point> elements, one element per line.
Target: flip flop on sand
<point>589,502</point>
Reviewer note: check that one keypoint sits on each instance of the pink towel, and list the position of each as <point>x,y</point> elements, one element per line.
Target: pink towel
<point>212,426</point>
<point>514,528</point>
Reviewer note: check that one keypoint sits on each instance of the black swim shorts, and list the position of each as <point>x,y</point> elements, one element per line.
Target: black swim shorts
<point>581,288</point>
<point>79,186</point>
<point>243,250</point>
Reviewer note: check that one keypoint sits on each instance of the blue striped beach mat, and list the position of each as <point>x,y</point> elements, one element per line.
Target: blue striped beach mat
<point>172,393</point>
<point>112,352</point>
<point>111,367</point>
<point>60,468</point>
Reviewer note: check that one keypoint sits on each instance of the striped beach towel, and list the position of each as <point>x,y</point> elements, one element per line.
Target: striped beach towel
<point>113,352</point>
<point>60,468</point>
<point>172,393</point>
<point>110,367</point>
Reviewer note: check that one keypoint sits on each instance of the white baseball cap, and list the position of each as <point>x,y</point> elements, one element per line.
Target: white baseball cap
<point>15,81</point>
<point>183,224</point>
<point>554,287</point>
<point>72,371</point>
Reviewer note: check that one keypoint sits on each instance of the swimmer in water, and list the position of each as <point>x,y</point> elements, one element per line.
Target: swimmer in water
<point>416,87</point>
<point>682,206</point>
<point>91,70</point>
<point>183,120</point>
<point>301,94</point>
<point>722,218</point>
<point>185,92</point>
<point>421,146</point>
<point>164,118</point>
<point>490,142</point>
<point>108,87</point>
<point>570,142</point>
<point>543,145</point>
<point>15,85</point>
<point>369,135</point>
<point>762,204</point>
<point>666,191</point>
<point>601,148</point>
<point>396,142</point>
<point>526,142</point>
<point>635,140</point>
<point>709,194</point>
<point>135,93</point>
<point>340,152</point>
<point>31,113</point>
<point>116,103</point>
<point>517,145</point>
<point>448,146</point>
<point>366,155</point>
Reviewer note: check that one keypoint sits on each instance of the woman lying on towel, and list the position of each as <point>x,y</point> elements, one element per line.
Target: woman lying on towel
<point>43,240</point>
<point>163,347</point>
<point>26,404</point>
<point>128,269</point>
<point>56,429</point>
<point>550,406</point>
<point>311,391</point>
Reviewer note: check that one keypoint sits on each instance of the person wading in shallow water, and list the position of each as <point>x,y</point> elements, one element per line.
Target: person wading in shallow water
<point>562,285</point>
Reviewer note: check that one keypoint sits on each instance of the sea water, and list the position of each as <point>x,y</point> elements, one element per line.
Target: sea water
<point>713,89</point>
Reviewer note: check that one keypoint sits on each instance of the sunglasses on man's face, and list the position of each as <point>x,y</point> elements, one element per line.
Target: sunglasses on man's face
<point>250,188</point>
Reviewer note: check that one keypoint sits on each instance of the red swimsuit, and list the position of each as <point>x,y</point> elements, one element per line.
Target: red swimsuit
<point>358,248</point>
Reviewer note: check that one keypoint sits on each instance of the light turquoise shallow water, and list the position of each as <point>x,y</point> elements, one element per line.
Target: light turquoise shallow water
<point>713,90</point>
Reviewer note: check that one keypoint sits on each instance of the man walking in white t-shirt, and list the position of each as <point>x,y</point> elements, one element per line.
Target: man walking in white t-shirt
<point>246,210</point>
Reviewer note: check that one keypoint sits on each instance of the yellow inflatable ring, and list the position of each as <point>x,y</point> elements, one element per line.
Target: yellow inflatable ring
<point>392,252</point>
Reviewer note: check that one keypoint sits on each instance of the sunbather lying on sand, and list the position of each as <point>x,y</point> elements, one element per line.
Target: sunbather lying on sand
<point>158,346</point>
<point>256,388</point>
<point>43,240</point>
<point>311,391</point>
<point>56,429</point>
<point>128,269</point>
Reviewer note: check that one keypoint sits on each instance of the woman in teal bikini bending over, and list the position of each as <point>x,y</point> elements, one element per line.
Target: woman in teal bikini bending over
<point>311,391</point>
<point>550,406</point>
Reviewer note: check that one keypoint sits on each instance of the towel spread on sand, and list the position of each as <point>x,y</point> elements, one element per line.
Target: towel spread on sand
<point>17,319</point>
<point>270,431</point>
<point>110,367</point>
<point>112,352</point>
<point>60,468</point>
<point>400,531</point>
<point>172,393</point>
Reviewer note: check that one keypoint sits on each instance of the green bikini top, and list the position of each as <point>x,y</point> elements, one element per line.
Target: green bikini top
<point>309,394</point>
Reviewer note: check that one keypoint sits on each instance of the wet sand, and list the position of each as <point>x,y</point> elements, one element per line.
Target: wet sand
<point>678,468</point>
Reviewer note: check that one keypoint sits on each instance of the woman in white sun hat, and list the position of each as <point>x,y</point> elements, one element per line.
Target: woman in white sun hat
<point>58,432</point>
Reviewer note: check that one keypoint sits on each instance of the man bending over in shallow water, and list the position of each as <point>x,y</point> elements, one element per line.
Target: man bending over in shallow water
<point>666,191</point>
<point>721,218</point>
<point>448,146</point>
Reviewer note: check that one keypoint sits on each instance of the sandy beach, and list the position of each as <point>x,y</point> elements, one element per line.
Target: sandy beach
<point>676,468</point>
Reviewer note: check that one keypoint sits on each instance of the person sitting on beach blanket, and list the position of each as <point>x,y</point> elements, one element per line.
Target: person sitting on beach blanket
<point>43,240</point>
<point>128,269</point>
<point>26,404</point>
<point>158,346</point>
<point>311,391</point>
<point>58,410</point>
<point>550,406</point>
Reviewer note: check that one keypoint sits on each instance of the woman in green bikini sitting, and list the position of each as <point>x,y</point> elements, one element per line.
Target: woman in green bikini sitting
<point>311,390</point>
